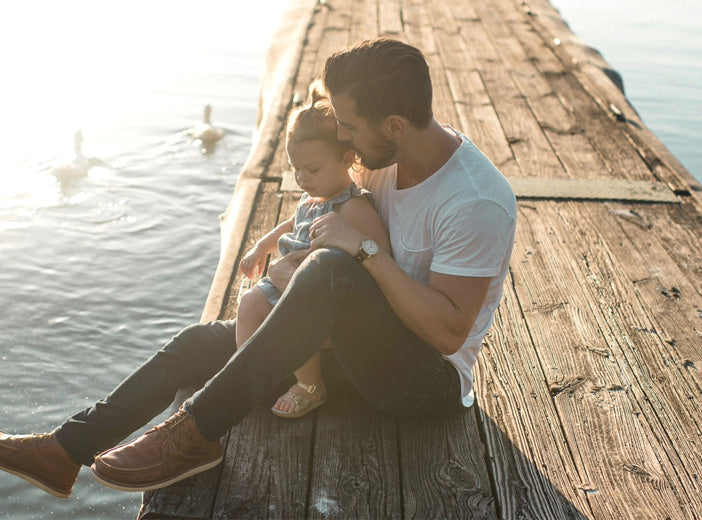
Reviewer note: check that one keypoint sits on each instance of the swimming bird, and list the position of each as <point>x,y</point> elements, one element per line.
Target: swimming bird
<point>206,131</point>
<point>79,165</point>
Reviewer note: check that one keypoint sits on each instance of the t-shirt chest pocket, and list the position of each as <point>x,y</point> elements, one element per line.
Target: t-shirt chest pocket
<point>414,254</point>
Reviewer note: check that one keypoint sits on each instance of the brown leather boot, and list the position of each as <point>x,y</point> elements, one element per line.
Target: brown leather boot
<point>40,460</point>
<point>170,452</point>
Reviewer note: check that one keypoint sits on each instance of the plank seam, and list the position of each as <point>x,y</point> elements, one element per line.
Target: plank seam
<point>482,431</point>
<point>564,432</point>
<point>641,384</point>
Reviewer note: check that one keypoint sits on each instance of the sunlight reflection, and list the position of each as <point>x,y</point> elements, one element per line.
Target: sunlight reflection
<point>89,65</point>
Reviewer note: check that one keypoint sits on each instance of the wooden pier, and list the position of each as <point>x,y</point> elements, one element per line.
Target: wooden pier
<point>588,386</point>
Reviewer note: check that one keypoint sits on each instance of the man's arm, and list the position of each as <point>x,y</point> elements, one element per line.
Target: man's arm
<point>442,313</point>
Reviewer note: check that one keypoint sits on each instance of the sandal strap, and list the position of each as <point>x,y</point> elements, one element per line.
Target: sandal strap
<point>310,389</point>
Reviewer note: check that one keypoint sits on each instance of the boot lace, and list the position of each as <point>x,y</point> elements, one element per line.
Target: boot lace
<point>169,423</point>
<point>33,437</point>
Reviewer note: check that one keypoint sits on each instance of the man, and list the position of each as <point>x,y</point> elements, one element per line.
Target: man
<point>405,329</point>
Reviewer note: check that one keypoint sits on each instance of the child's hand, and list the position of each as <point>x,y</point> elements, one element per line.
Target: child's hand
<point>253,262</point>
<point>281,270</point>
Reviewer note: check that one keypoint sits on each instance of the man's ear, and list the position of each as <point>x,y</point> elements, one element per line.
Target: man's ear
<point>395,125</point>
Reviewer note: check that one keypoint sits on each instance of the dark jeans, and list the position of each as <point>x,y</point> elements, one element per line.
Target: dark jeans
<point>330,296</point>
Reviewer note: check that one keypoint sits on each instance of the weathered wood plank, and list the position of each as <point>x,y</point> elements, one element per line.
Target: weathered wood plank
<point>605,134</point>
<point>532,150</point>
<point>653,260</point>
<point>672,390</point>
<point>534,472</point>
<point>420,32</point>
<point>588,378</point>
<point>666,390</point>
<point>390,17</point>
<point>558,124</point>
<point>670,301</point>
<point>356,470</point>
<point>336,33</point>
<point>310,54</point>
<point>267,468</point>
<point>678,229</point>
<point>444,473</point>
<point>476,113</point>
<point>364,21</point>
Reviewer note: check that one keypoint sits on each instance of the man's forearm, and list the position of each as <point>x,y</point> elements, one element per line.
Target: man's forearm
<point>426,311</point>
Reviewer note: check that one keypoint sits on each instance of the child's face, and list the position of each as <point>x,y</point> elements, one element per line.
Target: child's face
<point>318,169</point>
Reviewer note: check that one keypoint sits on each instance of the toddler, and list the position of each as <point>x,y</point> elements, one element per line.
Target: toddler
<point>321,165</point>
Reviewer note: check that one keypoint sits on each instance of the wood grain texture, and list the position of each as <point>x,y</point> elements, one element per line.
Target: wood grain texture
<point>531,464</point>
<point>444,472</point>
<point>267,467</point>
<point>364,21</point>
<point>590,383</point>
<point>390,18</point>
<point>356,471</point>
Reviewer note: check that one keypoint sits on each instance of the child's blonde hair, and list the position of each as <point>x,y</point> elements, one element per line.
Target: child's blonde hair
<point>316,121</point>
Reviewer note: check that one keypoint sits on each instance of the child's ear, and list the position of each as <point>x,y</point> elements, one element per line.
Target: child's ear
<point>349,158</point>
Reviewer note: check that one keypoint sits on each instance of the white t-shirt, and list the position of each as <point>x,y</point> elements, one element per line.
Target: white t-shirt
<point>459,221</point>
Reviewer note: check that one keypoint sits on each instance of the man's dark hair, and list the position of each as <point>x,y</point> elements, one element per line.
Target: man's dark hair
<point>383,77</point>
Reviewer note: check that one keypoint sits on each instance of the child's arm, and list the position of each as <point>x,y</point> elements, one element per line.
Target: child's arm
<point>360,213</point>
<point>254,261</point>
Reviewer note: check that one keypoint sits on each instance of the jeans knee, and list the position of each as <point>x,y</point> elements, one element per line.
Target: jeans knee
<point>200,348</point>
<point>190,334</point>
<point>198,337</point>
<point>325,261</point>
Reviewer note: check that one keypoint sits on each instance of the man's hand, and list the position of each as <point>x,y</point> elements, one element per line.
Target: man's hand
<point>331,230</point>
<point>280,271</point>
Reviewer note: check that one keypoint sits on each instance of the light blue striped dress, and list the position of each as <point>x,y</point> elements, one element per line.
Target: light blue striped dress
<point>307,210</point>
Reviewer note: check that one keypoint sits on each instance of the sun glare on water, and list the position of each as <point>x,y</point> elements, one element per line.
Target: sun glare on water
<point>80,65</point>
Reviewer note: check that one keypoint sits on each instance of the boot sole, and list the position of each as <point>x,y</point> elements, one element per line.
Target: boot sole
<point>37,483</point>
<point>121,486</point>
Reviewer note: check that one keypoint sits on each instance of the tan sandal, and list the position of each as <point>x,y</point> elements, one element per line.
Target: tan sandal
<point>304,405</point>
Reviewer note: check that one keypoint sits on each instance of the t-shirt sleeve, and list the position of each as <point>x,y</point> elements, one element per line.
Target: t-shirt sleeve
<point>473,240</point>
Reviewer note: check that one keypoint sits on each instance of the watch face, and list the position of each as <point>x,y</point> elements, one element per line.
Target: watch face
<point>370,247</point>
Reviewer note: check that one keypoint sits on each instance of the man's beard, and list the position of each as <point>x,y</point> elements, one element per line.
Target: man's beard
<point>384,153</point>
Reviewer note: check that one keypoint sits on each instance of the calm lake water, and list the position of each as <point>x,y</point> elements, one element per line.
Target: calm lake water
<point>98,273</point>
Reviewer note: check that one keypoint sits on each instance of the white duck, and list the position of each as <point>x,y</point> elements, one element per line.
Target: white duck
<point>205,131</point>
<point>79,165</point>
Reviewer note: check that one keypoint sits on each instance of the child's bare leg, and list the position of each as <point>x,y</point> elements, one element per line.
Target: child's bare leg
<point>254,308</point>
<point>308,374</point>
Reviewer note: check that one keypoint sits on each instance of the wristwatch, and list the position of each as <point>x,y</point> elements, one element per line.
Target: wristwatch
<point>368,248</point>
